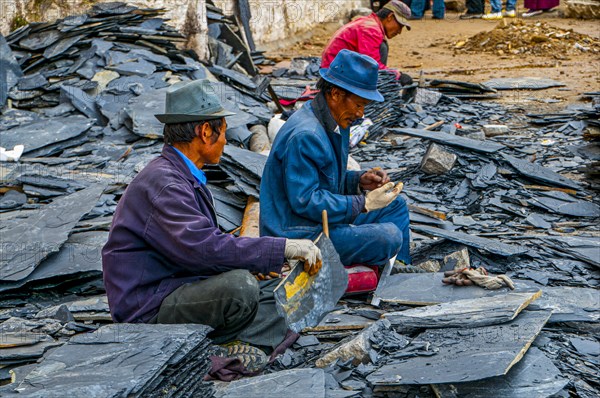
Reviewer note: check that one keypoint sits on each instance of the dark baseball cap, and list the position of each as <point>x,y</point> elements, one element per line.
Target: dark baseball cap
<point>401,12</point>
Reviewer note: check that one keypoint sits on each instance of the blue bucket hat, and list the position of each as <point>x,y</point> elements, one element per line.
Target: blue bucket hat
<point>354,72</point>
<point>191,102</point>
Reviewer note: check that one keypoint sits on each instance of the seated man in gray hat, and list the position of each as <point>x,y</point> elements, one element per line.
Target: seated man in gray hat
<point>166,261</point>
<point>306,173</point>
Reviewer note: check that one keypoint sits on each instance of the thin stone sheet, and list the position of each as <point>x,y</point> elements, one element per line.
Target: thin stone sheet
<point>428,289</point>
<point>534,376</point>
<point>465,354</point>
<point>28,241</point>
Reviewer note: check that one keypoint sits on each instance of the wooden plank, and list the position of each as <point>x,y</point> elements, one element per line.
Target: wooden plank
<point>544,188</point>
<point>250,221</point>
<point>427,212</point>
<point>449,139</point>
<point>465,354</point>
<point>465,313</point>
<point>428,289</point>
<point>490,245</point>
<point>534,376</point>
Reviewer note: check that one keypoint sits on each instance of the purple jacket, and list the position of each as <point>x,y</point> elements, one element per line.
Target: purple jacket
<point>164,234</point>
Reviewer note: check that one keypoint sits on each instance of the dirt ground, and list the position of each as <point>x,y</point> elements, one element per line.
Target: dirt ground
<point>429,48</point>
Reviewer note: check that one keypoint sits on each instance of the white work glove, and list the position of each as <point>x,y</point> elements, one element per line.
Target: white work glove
<point>381,197</point>
<point>304,249</point>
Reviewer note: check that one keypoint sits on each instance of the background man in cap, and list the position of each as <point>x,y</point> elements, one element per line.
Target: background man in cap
<point>306,173</point>
<point>368,35</point>
<point>166,261</point>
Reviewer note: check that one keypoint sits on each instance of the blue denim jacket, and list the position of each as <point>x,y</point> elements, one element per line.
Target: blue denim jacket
<point>306,173</point>
<point>164,234</point>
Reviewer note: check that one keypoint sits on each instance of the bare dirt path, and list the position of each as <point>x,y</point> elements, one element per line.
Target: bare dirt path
<point>429,47</point>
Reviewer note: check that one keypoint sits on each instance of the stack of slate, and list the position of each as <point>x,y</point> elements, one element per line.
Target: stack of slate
<point>386,113</point>
<point>132,360</point>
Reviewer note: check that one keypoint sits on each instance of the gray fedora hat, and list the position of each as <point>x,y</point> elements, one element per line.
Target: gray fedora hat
<point>191,102</point>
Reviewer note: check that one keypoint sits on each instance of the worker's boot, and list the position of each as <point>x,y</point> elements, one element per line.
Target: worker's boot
<point>253,359</point>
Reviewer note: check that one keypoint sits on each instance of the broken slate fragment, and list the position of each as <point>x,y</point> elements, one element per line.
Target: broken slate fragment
<point>437,160</point>
<point>31,82</point>
<point>449,139</point>
<point>39,40</point>
<point>540,173</point>
<point>12,199</point>
<point>83,102</point>
<point>490,245</point>
<point>137,68</point>
<point>61,46</point>
<point>142,109</point>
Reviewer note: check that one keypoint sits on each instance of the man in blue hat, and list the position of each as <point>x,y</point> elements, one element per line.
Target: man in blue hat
<point>166,260</point>
<point>306,173</point>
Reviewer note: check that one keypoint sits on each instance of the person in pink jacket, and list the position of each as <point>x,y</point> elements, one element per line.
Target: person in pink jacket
<point>369,35</point>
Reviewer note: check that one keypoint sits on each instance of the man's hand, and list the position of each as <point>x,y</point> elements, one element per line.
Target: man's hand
<point>381,197</point>
<point>373,179</point>
<point>304,249</point>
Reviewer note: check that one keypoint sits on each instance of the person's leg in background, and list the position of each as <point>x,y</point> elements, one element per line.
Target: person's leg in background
<point>439,9</point>
<point>511,9</point>
<point>475,9</point>
<point>417,9</point>
<point>496,11</point>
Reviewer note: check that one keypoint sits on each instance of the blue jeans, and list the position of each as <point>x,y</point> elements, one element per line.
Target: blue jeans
<point>497,5</point>
<point>374,237</point>
<point>417,8</point>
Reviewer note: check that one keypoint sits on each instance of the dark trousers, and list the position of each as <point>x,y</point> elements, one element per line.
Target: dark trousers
<point>475,6</point>
<point>233,303</point>
<point>374,237</point>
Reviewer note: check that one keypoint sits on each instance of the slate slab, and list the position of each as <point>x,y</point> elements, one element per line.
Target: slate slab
<point>540,173</point>
<point>24,347</point>
<point>142,109</point>
<point>29,240</point>
<point>465,313</point>
<point>570,304</point>
<point>523,83</point>
<point>301,383</point>
<point>80,256</point>
<point>490,245</point>
<point>132,360</point>
<point>585,248</point>
<point>428,289</point>
<point>534,376</point>
<point>10,71</point>
<point>45,132</point>
<point>465,354</point>
<point>449,139</point>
